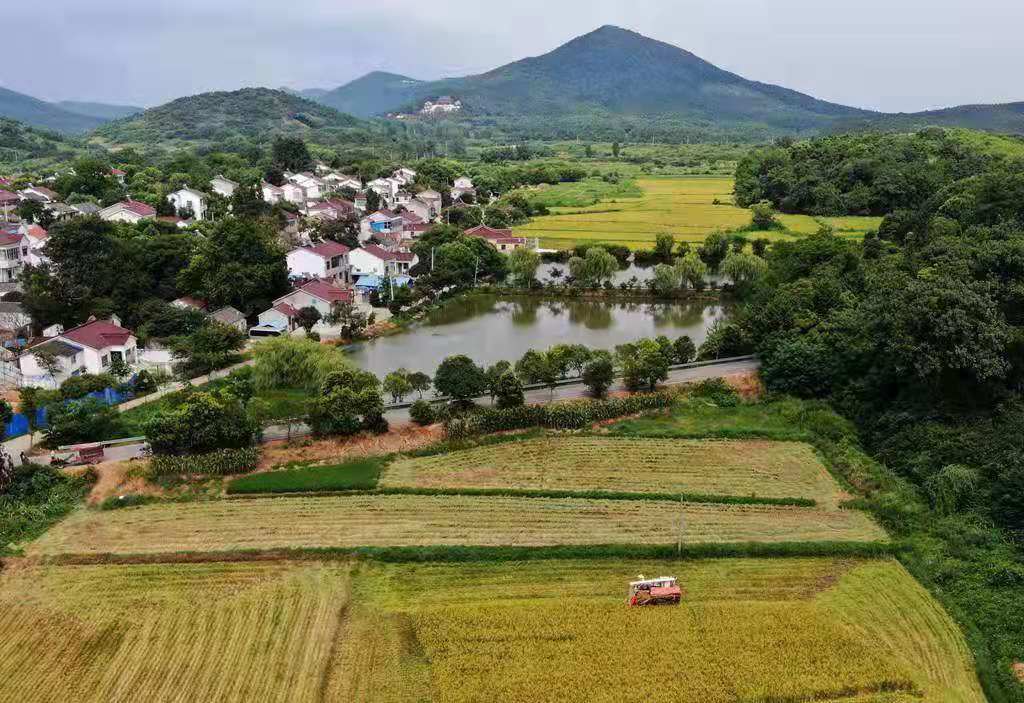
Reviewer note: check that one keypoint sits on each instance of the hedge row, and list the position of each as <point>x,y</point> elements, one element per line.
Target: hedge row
<point>222,462</point>
<point>571,415</point>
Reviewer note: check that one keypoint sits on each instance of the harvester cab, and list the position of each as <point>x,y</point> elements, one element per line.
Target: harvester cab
<point>660,591</point>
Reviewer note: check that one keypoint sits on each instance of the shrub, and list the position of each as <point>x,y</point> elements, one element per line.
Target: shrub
<point>509,390</point>
<point>716,391</point>
<point>349,402</point>
<point>459,378</point>
<point>84,420</point>
<point>144,383</point>
<point>130,500</point>
<point>81,386</point>
<point>221,462</point>
<point>571,415</point>
<point>203,422</point>
<point>598,376</point>
<point>422,413</point>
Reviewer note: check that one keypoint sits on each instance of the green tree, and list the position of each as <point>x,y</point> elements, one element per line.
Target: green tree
<point>350,320</point>
<point>84,420</point>
<point>213,346</point>
<point>397,385</point>
<point>349,401</point>
<point>460,379</point>
<point>663,243</point>
<point>762,216</point>
<point>494,373</point>
<point>509,390</point>
<point>743,268</point>
<point>593,268</point>
<point>307,318</point>
<point>523,264</point>
<point>420,382</point>
<point>714,250</point>
<point>203,422</point>
<point>646,366</point>
<point>239,263</point>
<point>291,154</point>
<point>615,149</point>
<point>599,375</point>
<point>665,279</point>
<point>684,349</point>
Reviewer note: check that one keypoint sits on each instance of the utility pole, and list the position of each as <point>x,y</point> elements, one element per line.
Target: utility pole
<point>476,270</point>
<point>432,250</point>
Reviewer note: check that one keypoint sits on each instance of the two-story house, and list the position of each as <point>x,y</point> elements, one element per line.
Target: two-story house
<point>463,186</point>
<point>128,211</point>
<point>377,261</point>
<point>500,239</point>
<point>14,254</point>
<point>223,186</point>
<point>382,222</point>
<point>321,295</point>
<point>327,261</point>
<point>89,348</point>
<point>187,200</point>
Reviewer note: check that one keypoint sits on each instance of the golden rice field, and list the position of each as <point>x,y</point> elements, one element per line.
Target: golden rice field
<point>683,207</point>
<point>414,520</point>
<point>749,630</point>
<point>715,467</point>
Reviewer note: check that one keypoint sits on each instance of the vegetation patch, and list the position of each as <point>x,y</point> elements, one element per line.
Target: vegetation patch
<point>359,474</point>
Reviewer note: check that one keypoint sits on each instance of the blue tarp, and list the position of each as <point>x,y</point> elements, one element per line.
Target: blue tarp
<point>19,422</point>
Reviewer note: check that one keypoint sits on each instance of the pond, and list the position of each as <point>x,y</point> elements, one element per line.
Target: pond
<point>489,328</point>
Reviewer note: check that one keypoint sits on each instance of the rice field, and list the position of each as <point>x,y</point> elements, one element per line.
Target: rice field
<point>713,467</point>
<point>418,520</point>
<point>683,207</point>
<point>748,630</point>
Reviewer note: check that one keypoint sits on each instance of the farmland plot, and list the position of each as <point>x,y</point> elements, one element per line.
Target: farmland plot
<point>713,467</point>
<point>398,520</point>
<point>749,630</point>
<point>182,633</point>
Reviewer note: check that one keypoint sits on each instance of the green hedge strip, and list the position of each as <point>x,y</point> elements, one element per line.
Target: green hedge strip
<point>222,462</point>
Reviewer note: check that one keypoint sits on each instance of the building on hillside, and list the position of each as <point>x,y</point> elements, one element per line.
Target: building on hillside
<point>188,200</point>
<point>39,194</point>
<point>312,186</point>
<point>86,208</point>
<point>382,222</point>
<point>36,237</point>
<point>463,186</point>
<point>118,175</point>
<point>231,317</point>
<point>327,261</point>
<point>8,204</point>
<point>500,239</point>
<point>89,348</point>
<point>333,209</point>
<point>443,105</point>
<point>422,209</point>
<point>341,181</point>
<point>371,259</point>
<point>359,200</point>
<point>223,186</point>
<point>14,254</point>
<point>295,194</point>
<point>128,211</point>
<point>187,302</point>
<point>272,194</point>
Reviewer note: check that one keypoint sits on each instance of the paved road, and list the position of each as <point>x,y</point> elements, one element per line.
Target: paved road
<point>539,396</point>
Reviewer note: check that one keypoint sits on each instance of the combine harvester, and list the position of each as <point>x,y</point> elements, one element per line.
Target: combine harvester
<point>660,591</point>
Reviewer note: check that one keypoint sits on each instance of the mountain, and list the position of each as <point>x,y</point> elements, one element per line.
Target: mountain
<point>22,146</point>
<point>38,113</point>
<point>218,116</point>
<point>610,71</point>
<point>1007,118</point>
<point>374,94</point>
<point>103,111</point>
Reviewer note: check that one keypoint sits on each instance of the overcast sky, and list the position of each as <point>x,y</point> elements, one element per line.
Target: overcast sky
<point>882,54</point>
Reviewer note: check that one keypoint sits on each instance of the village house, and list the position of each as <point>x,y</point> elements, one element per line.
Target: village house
<point>313,186</point>
<point>89,348</point>
<point>60,211</point>
<point>231,317</point>
<point>272,194</point>
<point>223,186</point>
<point>36,237</point>
<point>85,208</point>
<point>14,253</point>
<point>321,295</point>
<point>500,239</point>
<point>118,175</point>
<point>382,222</point>
<point>360,202</point>
<point>341,181</point>
<point>295,193</point>
<point>375,260</point>
<point>442,105</point>
<point>405,175</point>
<point>187,200</point>
<point>39,194</point>
<point>8,204</point>
<point>421,209</point>
<point>327,260</point>
<point>128,211</point>
<point>463,186</point>
<point>333,209</point>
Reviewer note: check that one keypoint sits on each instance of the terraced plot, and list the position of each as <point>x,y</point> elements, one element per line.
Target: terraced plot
<point>397,520</point>
<point>749,630</point>
<point>182,633</point>
<point>728,468</point>
<point>683,207</point>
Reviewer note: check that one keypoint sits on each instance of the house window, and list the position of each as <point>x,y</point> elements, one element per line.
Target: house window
<point>105,360</point>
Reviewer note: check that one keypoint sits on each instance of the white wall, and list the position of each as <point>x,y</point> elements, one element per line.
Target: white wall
<point>302,262</point>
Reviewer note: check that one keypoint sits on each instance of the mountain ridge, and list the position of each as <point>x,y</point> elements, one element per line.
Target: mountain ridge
<point>44,115</point>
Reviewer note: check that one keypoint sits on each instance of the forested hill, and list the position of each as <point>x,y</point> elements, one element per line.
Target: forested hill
<point>219,116</point>
<point>38,113</point>
<point>610,71</point>
<point>869,173</point>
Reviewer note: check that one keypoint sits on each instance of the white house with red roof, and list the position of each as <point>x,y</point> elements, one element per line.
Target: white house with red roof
<point>118,175</point>
<point>333,209</point>
<point>373,260</point>
<point>500,239</point>
<point>14,253</point>
<point>128,211</point>
<point>89,348</point>
<point>37,238</point>
<point>323,296</point>
<point>327,260</point>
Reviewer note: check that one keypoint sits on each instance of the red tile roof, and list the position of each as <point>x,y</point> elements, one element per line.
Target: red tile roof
<point>8,197</point>
<point>411,218</point>
<point>9,238</point>
<point>286,309</point>
<point>326,292</point>
<point>37,232</point>
<point>328,249</point>
<point>139,208</point>
<point>98,334</point>
<point>497,236</point>
<point>385,255</point>
<point>116,172</point>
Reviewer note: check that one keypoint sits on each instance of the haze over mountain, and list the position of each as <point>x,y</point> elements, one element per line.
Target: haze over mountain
<point>218,116</point>
<point>39,113</point>
<point>103,111</point>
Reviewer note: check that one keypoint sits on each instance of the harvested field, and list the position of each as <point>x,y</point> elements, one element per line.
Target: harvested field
<point>211,632</point>
<point>729,468</point>
<point>395,520</point>
<point>335,450</point>
<point>749,630</point>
